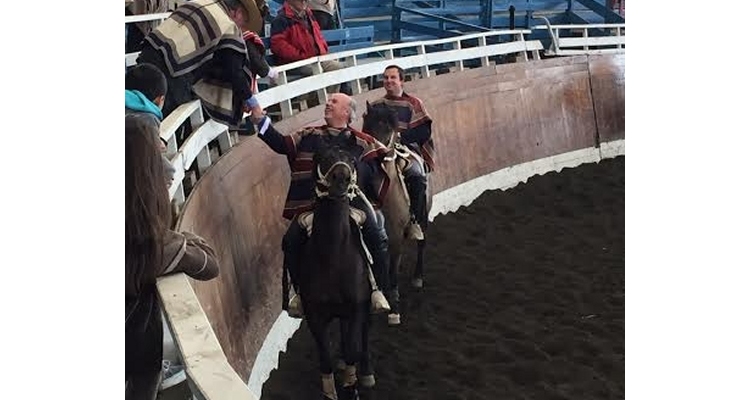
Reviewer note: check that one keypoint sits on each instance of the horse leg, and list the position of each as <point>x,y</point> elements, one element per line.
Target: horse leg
<point>318,325</point>
<point>366,371</point>
<point>417,279</point>
<point>394,298</point>
<point>353,349</point>
<point>343,334</point>
<point>340,364</point>
<point>291,245</point>
<point>364,368</point>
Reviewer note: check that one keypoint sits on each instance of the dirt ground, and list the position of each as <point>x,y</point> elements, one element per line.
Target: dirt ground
<point>524,298</point>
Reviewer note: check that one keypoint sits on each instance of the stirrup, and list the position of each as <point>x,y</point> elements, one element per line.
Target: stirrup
<point>295,307</point>
<point>414,231</point>
<point>378,303</point>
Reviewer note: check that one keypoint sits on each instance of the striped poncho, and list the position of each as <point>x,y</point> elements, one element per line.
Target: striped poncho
<point>300,147</point>
<point>189,39</point>
<point>412,116</point>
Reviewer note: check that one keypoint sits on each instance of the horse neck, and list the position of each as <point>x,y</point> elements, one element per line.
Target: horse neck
<point>331,221</point>
<point>395,205</point>
<point>389,139</point>
<point>383,136</point>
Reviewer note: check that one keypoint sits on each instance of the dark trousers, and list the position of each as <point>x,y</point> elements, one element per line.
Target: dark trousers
<point>416,184</point>
<point>373,234</point>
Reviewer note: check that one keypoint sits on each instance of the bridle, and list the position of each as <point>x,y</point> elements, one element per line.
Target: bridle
<point>351,189</point>
<point>391,145</point>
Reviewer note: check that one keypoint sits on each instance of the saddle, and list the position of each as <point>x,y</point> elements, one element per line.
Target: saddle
<point>404,156</point>
<point>306,220</point>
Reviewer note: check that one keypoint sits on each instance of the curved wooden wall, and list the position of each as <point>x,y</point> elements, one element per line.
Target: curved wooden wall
<point>486,119</point>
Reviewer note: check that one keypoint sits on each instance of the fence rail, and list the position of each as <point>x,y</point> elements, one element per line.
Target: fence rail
<point>608,38</point>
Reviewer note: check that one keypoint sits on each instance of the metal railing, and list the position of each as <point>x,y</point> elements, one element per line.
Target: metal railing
<point>569,44</point>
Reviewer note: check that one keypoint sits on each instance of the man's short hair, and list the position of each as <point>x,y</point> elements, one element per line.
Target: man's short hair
<point>147,79</point>
<point>400,70</point>
<point>352,109</point>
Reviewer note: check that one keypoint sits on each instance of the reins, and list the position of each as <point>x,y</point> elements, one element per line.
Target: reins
<point>351,190</point>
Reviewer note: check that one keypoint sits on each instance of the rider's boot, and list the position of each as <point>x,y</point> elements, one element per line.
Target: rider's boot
<point>416,185</point>
<point>376,240</point>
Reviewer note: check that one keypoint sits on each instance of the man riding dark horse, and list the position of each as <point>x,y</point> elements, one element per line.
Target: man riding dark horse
<point>335,279</point>
<point>299,148</point>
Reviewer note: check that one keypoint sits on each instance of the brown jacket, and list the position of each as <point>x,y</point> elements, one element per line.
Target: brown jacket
<point>183,252</point>
<point>189,253</point>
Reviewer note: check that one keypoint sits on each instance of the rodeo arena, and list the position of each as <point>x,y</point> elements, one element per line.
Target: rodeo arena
<point>375,199</point>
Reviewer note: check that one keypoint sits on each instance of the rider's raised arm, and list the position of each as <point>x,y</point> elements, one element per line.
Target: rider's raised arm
<point>278,142</point>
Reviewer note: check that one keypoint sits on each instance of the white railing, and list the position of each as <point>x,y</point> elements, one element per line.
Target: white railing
<point>367,65</point>
<point>130,57</point>
<point>195,148</point>
<point>360,64</point>
<point>147,17</point>
<point>209,374</point>
<point>585,44</point>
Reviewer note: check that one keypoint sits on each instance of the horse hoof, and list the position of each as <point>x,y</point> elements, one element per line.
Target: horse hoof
<point>417,283</point>
<point>394,319</point>
<point>367,381</point>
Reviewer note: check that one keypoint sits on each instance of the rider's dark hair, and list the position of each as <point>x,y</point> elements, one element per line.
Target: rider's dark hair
<point>400,70</point>
<point>147,79</point>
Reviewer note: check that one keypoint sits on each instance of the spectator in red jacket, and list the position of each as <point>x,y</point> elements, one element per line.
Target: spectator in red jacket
<point>295,36</point>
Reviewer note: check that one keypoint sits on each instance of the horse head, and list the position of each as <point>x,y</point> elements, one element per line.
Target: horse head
<point>336,173</point>
<point>380,121</point>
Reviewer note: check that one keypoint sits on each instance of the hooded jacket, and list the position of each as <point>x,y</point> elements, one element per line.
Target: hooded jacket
<point>138,105</point>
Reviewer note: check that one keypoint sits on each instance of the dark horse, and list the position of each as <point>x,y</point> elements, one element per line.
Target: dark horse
<point>380,121</point>
<point>335,279</point>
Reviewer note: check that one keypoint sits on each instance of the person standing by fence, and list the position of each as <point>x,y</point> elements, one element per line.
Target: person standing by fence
<point>200,50</point>
<point>151,250</point>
